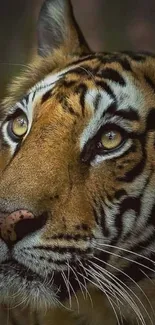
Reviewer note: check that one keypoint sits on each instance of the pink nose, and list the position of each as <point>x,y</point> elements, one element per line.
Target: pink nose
<point>15,226</point>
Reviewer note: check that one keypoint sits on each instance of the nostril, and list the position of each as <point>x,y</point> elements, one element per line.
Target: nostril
<point>27,226</point>
<point>19,224</point>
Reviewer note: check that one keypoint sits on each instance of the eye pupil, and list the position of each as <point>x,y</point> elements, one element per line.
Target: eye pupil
<point>111,135</point>
<point>21,121</point>
<point>111,139</point>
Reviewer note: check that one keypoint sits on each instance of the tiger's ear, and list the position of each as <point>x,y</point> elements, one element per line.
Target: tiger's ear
<point>57,28</point>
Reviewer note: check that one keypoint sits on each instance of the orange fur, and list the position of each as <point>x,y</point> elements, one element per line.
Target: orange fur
<point>47,174</point>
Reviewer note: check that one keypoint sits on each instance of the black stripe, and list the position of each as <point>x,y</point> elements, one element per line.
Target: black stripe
<point>106,88</point>
<point>120,193</point>
<point>68,237</point>
<point>104,227</point>
<point>46,96</point>
<point>68,83</point>
<point>66,106</point>
<point>82,226</point>
<point>134,172</point>
<point>18,146</point>
<point>71,111</point>
<point>125,64</point>
<point>26,99</point>
<point>129,203</point>
<point>151,219</point>
<point>128,151</point>
<point>61,262</point>
<point>150,123</point>
<point>34,93</point>
<point>97,101</point>
<point>145,242</point>
<point>110,109</point>
<point>82,59</point>
<point>96,216</point>
<point>136,56</point>
<point>81,90</point>
<point>129,113</point>
<point>134,204</point>
<point>150,82</point>
<point>138,168</point>
<point>15,114</point>
<point>63,250</point>
<point>117,58</point>
<point>112,75</point>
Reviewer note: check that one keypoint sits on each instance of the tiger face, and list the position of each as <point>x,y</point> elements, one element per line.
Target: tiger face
<point>77,181</point>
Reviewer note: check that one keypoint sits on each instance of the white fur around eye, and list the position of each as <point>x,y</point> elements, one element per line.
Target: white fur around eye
<point>115,153</point>
<point>8,140</point>
<point>29,102</point>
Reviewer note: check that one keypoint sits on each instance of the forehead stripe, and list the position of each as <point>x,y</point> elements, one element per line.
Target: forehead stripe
<point>82,90</point>
<point>150,82</point>
<point>102,84</point>
<point>124,62</point>
<point>112,75</point>
<point>128,113</point>
<point>46,96</point>
<point>97,101</point>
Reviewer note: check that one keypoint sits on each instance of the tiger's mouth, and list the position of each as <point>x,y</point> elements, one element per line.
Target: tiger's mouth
<point>20,270</point>
<point>21,285</point>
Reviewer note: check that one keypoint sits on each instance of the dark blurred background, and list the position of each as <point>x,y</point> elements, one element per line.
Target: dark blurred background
<point>106,24</point>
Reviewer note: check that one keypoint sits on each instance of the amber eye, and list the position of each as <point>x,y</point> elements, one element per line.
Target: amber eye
<point>111,139</point>
<point>18,126</point>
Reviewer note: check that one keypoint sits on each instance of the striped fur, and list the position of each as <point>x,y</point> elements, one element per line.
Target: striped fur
<point>87,257</point>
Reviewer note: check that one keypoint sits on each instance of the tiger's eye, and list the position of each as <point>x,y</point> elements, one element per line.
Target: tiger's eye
<point>19,125</point>
<point>111,139</point>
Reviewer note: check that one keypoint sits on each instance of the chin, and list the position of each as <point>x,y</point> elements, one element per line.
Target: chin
<point>18,287</point>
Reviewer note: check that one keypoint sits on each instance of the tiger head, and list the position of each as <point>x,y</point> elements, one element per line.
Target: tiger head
<point>77,159</point>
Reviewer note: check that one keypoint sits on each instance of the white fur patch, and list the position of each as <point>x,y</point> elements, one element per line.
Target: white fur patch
<point>28,103</point>
<point>126,96</point>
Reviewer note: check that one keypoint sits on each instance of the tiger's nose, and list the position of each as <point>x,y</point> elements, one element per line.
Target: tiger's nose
<point>19,224</point>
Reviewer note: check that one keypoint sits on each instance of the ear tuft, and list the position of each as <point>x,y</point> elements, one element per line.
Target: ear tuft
<point>57,28</point>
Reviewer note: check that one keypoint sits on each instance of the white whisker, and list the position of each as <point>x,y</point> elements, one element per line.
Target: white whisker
<point>15,64</point>
<point>111,253</point>
<point>127,251</point>
<point>127,259</point>
<point>72,289</point>
<point>85,284</point>
<point>128,288</point>
<point>79,282</point>
<point>66,281</point>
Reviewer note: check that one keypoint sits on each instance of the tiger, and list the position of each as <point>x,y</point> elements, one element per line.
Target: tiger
<point>77,183</point>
